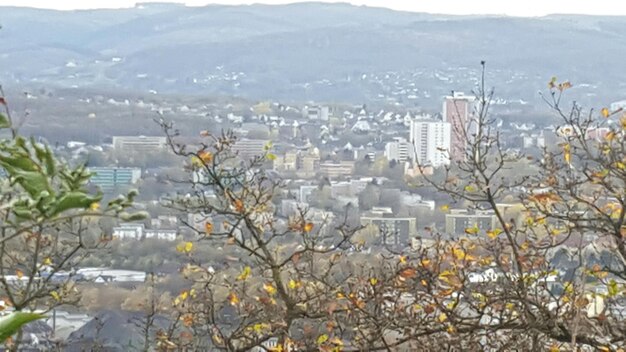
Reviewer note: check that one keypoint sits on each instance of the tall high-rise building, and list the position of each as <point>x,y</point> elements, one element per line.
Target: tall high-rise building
<point>458,110</point>
<point>431,141</point>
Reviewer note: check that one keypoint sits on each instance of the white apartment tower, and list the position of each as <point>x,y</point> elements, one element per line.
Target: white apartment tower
<point>431,141</point>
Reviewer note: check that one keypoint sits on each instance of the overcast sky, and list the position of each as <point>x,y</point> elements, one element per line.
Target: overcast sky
<point>507,7</point>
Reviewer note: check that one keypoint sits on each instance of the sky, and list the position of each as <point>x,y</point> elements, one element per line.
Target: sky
<point>457,7</point>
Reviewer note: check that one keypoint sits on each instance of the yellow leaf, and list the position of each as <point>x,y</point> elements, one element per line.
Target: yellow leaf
<point>94,206</point>
<point>555,348</point>
<point>444,208</point>
<point>195,161</point>
<point>610,136</point>
<point>269,288</point>
<point>233,299</point>
<point>567,154</point>
<point>19,273</point>
<point>183,295</point>
<point>47,261</point>
<point>321,339</point>
<point>402,259</point>
<point>271,157</point>
<point>258,328</point>
<point>184,247</point>
<point>244,274</point>
<point>55,295</point>
<point>373,281</point>
<point>336,341</point>
<point>293,284</point>
<point>442,317</point>
<point>494,233</point>
<point>605,112</point>
<point>458,253</point>
<point>472,230</point>
<point>278,348</point>
<point>622,122</point>
<point>470,188</point>
<point>308,227</point>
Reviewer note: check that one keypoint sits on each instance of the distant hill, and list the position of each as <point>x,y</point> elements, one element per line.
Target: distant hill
<point>301,51</point>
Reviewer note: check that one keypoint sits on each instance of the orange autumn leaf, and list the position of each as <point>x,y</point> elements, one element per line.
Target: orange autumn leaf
<point>233,299</point>
<point>239,205</point>
<point>408,273</point>
<point>208,228</point>
<point>308,227</point>
<point>205,157</point>
<point>19,273</point>
<point>187,319</point>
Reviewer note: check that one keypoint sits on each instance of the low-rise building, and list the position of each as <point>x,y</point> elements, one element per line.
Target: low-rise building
<point>458,220</point>
<point>139,144</point>
<point>394,231</point>
<point>109,178</point>
<point>337,169</point>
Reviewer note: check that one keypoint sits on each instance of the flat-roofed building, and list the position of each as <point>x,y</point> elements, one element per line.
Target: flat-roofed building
<point>460,219</point>
<point>394,231</point>
<point>337,169</point>
<point>108,178</point>
<point>141,144</point>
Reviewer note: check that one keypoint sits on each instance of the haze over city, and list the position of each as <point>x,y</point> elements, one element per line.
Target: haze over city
<point>457,7</point>
<point>313,176</point>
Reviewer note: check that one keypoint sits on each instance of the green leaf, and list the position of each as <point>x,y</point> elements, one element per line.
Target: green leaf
<point>4,121</point>
<point>11,323</point>
<point>12,164</point>
<point>74,200</point>
<point>613,289</point>
<point>33,182</point>
<point>140,215</point>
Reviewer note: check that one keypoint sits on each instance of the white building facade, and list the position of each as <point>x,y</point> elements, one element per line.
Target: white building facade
<point>431,141</point>
<point>399,150</point>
